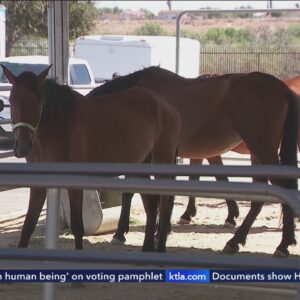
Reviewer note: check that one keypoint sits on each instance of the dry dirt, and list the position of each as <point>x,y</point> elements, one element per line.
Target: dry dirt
<point>128,26</point>
<point>205,235</point>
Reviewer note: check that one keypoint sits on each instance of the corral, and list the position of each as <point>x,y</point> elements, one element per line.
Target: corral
<point>5,182</point>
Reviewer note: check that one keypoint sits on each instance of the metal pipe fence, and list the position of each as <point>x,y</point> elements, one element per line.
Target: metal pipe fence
<point>102,176</point>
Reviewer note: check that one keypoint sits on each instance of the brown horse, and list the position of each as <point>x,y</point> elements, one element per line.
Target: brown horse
<point>52,123</point>
<point>186,217</point>
<point>217,114</point>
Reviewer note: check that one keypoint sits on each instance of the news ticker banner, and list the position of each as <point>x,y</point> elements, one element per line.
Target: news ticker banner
<point>171,276</point>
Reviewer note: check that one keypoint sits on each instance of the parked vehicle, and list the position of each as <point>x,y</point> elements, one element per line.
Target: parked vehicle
<point>124,54</point>
<point>6,137</point>
<point>2,30</point>
<point>80,76</point>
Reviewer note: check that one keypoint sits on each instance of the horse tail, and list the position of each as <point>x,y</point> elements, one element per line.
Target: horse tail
<point>288,149</point>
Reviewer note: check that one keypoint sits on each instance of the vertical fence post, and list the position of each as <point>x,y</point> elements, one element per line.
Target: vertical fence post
<point>52,230</point>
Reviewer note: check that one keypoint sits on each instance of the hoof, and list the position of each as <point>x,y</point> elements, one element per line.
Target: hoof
<point>184,221</point>
<point>230,250</point>
<point>148,249</point>
<point>281,254</point>
<point>118,241</point>
<point>229,225</point>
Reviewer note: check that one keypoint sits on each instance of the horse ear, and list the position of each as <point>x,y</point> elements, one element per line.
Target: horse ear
<point>9,75</point>
<point>43,75</point>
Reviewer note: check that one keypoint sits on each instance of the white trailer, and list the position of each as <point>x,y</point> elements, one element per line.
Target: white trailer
<point>124,54</point>
<point>2,31</point>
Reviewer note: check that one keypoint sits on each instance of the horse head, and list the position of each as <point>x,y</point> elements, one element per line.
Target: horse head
<point>26,102</point>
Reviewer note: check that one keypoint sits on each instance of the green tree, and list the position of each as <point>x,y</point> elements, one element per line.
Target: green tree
<point>29,18</point>
<point>24,18</point>
<point>83,17</point>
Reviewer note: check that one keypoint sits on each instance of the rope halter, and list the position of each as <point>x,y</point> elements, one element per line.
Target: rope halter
<point>27,125</point>
<point>24,124</point>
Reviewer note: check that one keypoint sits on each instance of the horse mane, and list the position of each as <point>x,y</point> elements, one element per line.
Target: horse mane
<point>128,81</point>
<point>58,99</point>
<point>208,76</point>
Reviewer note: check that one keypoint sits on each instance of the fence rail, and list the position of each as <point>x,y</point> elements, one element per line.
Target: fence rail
<point>100,176</point>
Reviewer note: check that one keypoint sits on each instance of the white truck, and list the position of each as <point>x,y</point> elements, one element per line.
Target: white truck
<point>124,54</point>
<point>2,30</point>
<point>80,75</point>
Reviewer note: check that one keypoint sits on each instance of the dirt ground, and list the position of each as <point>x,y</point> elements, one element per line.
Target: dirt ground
<point>197,25</point>
<point>205,235</point>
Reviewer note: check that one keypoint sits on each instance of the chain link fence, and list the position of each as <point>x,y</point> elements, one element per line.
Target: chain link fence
<point>280,62</point>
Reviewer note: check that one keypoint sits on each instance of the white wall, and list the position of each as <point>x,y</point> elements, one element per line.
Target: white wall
<point>2,31</point>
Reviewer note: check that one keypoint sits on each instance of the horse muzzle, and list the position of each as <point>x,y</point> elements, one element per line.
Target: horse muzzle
<point>22,149</point>
<point>23,133</point>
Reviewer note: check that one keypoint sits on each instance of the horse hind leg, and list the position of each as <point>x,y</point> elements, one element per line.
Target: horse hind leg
<point>264,155</point>
<point>123,224</point>
<point>166,203</point>
<point>288,232</point>
<point>233,209</point>
<point>36,202</point>
<point>150,205</point>
<point>75,199</point>
<point>232,246</point>
<point>191,209</point>
<point>263,145</point>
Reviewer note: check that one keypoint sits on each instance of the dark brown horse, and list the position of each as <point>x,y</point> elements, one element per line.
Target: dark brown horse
<point>294,85</point>
<point>52,123</point>
<point>217,114</point>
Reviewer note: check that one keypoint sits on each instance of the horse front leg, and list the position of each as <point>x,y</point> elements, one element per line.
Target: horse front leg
<point>123,224</point>
<point>75,198</point>
<point>36,202</point>
<point>150,205</point>
<point>165,213</point>
<point>233,209</point>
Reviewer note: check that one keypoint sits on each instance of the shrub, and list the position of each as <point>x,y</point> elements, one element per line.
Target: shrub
<point>150,29</point>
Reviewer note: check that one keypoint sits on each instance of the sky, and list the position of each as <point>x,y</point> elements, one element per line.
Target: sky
<point>157,5</point>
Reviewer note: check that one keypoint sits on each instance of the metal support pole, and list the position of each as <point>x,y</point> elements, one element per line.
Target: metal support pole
<point>52,230</point>
<point>58,40</point>
<point>58,47</point>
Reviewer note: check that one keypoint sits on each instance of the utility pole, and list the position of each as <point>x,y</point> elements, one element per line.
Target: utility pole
<point>269,4</point>
<point>169,4</point>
